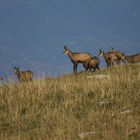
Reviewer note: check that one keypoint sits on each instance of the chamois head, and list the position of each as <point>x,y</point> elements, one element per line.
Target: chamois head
<point>101,52</point>
<point>66,50</point>
<point>16,69</point>
<point>112,49</point>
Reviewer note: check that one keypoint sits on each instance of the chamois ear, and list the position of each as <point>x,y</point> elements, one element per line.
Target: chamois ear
<point>14,66</point>
<point>123,53</point>
<point>100,50</point>
<point>112,49</point>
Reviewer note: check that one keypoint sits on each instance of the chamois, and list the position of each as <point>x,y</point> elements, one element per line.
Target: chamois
<point>110,58</point>
<point>1,79</point>
<point>93,64</point>
<point>133,58</point>
<point>77,57</point>
<point>119,55</point>
<point>23,76</point>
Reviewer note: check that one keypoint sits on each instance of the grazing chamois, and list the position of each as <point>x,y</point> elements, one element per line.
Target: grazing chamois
<point>133,58</point>
<point>119,55</point>
<point>110,58</point>
<point>23,76</point>
<point>93,64</point>
<point>77,57</point>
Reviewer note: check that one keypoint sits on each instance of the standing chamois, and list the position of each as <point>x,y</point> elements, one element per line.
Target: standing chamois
<point>93,64</point>
<point>119,55</point>
<point>77,57</point>
<point>23,76</point>
<point>1,79</point>
<point>110,58</point>
<point>133,58</point>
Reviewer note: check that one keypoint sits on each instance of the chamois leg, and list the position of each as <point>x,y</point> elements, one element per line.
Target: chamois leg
<point>94,69</point>
<point>119,62</point>
<point>31,79</point>
<point>89,68</point>
<point>116,62</point>
<point>112,63</point>
<point>97,66</point>
<point>108,64</point>
<point>86,65</point>
<point>124,62</point>
<point>75,68</point>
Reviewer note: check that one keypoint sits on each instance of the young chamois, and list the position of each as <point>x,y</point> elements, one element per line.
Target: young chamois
<point>23,76</point>
<point>133,58</point>
<point>110,58</point>
<point>77,57</point>
<point>93,64</point>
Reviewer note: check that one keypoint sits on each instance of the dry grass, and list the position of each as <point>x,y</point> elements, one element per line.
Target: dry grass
<point>73,107</point>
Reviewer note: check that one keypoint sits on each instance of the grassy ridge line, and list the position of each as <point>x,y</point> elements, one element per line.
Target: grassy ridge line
<point>62,108</point>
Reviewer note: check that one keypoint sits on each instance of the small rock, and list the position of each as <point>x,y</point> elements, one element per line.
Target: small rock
<point>86,134</point>
<point>102,103</point>
<point>127,111</point>
<point>99,77</point>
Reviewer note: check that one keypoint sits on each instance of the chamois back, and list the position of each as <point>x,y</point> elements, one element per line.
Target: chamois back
<point>133,58</point>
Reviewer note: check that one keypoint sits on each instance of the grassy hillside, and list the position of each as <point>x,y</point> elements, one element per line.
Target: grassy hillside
<point>73,107</point>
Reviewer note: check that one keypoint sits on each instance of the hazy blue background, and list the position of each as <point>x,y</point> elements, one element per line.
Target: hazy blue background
<point>33,32</point>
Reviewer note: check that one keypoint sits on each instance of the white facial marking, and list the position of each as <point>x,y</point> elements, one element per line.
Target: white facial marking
<point>66,52</point>
<point>101,54</point>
